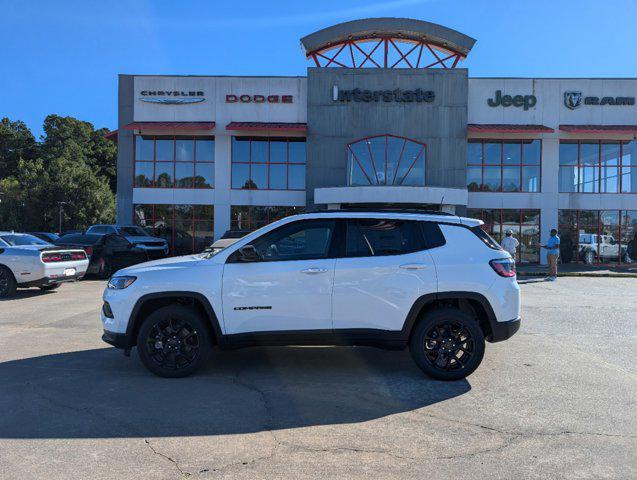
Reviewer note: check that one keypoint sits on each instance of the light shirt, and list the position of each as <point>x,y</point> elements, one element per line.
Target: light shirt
<point>510,245</point>
<point>553,245</point>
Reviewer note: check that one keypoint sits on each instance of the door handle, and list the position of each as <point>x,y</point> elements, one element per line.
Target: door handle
<point>413,266</point>
<point>314,270</point>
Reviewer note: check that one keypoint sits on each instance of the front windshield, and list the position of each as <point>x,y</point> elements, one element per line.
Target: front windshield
<point>14,240</point>
<point>133,231</point>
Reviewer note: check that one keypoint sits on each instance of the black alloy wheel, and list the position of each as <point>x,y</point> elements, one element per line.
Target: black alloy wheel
<point>7,282</point>
<point>447,344</point>
<point>173,341</point>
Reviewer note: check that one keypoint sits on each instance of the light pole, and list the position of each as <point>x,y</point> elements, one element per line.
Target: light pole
<point>60,224</point>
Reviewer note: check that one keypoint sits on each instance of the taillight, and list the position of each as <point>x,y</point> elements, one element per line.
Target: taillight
<point>51,257</point>
<point>505,267</point>
<point>88,250</point>
<point>78,256</point>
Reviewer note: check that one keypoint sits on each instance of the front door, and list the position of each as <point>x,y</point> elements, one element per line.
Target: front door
<point>289,288</point>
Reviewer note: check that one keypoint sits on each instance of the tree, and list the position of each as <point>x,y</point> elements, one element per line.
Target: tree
<point>74,164</point>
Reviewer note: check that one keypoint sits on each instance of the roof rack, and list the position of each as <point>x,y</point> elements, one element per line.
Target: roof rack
<point>421,211</point>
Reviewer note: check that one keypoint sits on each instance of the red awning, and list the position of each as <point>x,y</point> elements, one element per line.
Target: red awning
<point>507,128</point>
<point>625,129</point>
<point>170,126</point>
<point>111,136</point>
<point>249,126</point>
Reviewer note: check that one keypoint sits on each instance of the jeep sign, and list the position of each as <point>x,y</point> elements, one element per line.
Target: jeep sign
<point>524,101</point>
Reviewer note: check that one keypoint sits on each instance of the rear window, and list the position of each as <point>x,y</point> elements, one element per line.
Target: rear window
<point>371,238</point>
<point>485,237</point>
<point>19,240</point>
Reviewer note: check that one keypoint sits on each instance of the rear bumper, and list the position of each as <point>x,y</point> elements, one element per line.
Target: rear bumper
<point>118,340</point>
<point>44,281</point>
<point>503,330</point>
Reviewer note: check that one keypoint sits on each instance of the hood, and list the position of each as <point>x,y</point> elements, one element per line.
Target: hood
<point>169,263</point>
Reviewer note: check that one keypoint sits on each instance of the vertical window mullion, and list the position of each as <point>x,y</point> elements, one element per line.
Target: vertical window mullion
<point>501,168</point>
<point>579,167</point>
<point>599,167</point>
<point>287,163</point>
<point>482,162</point>
<point>154,159</point>
<point>268,159</point>
<point>194,162</point>
<point>521,189</point>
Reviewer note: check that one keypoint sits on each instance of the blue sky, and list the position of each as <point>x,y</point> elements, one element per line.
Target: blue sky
<point>64,57</point>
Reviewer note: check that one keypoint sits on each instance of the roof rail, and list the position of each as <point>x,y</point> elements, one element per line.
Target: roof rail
<point>422,211</point>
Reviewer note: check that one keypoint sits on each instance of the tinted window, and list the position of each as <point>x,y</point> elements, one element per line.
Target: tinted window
<point>366,238</point>
<point>133,231</point>
<point>485,237</point>
<point>17,240</point>
<point>432,235</point>
<point>303,240</point>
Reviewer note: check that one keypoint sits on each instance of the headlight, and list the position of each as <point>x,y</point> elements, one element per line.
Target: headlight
<point>119,283</point>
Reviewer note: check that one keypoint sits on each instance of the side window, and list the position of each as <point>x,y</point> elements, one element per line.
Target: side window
<point>371,238</point>
<point>98,229</point>
<point>302,240</point>
<point>115,241</point>
<point>432,234</point>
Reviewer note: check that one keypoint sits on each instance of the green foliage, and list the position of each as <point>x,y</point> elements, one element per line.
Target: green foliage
<point>73,163</point>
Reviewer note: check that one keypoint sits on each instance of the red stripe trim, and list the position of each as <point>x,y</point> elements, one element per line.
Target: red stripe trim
<point>626,129</point>
<point>508,128</point>
<point>249,126</point>
<point>170,126</point>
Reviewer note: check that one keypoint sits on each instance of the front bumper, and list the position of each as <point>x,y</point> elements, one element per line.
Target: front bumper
<point>503,330</point>
<point>118,340</point>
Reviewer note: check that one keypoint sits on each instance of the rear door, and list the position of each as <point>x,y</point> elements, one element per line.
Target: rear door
<point>289,288</point>
<point>386,267</point>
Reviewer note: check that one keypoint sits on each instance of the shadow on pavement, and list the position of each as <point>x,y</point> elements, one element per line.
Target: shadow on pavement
<point>100,393</point>
<point>28,293</point>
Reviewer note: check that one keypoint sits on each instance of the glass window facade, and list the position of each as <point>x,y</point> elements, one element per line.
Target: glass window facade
<point>261,163</point>
<point>187,228</point>
<point>386,160</point>
<point>598,236</point>
<point>174,162</point>
<point>504,165</point>
<point>253,217</point>
<point>524,223</point>
<point>593,166</point>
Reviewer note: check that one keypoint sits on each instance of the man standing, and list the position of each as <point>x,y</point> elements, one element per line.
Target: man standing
<point>510,243</point>
<point>553,247</point>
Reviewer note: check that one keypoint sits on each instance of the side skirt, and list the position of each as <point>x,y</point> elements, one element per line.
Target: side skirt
<point>386,339</point>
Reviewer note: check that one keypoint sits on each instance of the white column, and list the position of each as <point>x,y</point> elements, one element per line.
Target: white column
<point>223,171</point>
<point>550,190</point>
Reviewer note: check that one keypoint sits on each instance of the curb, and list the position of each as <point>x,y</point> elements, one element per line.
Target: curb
<point>581,274</point>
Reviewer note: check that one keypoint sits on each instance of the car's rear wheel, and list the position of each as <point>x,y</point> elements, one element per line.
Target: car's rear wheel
<point>8,285</point>
<point>589,257</point>
<point>47,288</point>
<point>173,341</point>
<point>447,344</point>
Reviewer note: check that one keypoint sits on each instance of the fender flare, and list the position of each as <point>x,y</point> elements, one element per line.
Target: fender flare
<point>412,316</point>
<point>134,321</point>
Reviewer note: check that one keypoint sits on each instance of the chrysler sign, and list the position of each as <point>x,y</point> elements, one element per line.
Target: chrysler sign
<point>397,95</point>
<point>172,97</point>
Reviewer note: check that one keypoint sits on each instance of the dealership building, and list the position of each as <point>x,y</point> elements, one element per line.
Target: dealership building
<point>386,116</point>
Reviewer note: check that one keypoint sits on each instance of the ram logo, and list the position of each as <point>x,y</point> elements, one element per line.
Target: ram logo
<point>572,99</point>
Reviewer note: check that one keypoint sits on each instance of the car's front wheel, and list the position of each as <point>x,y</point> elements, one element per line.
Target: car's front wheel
<point>173,341</point>
<point>447,344</point>
<point>589,257</point>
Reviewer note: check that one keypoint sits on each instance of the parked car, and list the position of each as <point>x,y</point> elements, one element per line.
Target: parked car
<point>27,261</point>
<point>589,243</point>
<point>437,284</point>
<point>49,237</point>
<point>107,253</point>
<point>228,238</point>
<point>155,247</point>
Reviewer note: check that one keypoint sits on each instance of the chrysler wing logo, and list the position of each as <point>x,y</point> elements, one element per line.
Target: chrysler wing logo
<point>172,97</point>
<point>172,101</point>
<point>572,99</point>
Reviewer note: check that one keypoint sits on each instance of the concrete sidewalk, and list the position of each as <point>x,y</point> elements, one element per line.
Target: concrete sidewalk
<point>580,270</point>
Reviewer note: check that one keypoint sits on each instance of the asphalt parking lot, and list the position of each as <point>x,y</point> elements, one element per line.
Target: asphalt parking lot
<point>555,401</point>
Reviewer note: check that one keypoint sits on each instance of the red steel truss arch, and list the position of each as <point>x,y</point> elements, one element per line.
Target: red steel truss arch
<point>387,43</point>
<point>386,160</point>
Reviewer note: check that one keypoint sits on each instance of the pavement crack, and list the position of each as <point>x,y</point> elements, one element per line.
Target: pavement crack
<point>182,472</point>
<point>347,449</point>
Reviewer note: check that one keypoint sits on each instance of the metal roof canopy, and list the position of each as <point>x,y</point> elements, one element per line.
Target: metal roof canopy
<point>507,128</point>
<point>403,28</point>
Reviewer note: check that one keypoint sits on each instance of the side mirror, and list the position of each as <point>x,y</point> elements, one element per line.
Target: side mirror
<point>248,253</point>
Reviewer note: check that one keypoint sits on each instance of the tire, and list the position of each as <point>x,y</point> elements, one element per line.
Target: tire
<point>174,341</point>
<point>447,344</point>
<point>589,257</point>
<point>8,285</point>
<point>48,288</point>
<point>106,268</point>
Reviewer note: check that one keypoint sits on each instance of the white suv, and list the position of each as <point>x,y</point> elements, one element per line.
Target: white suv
<point>436,283</point>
